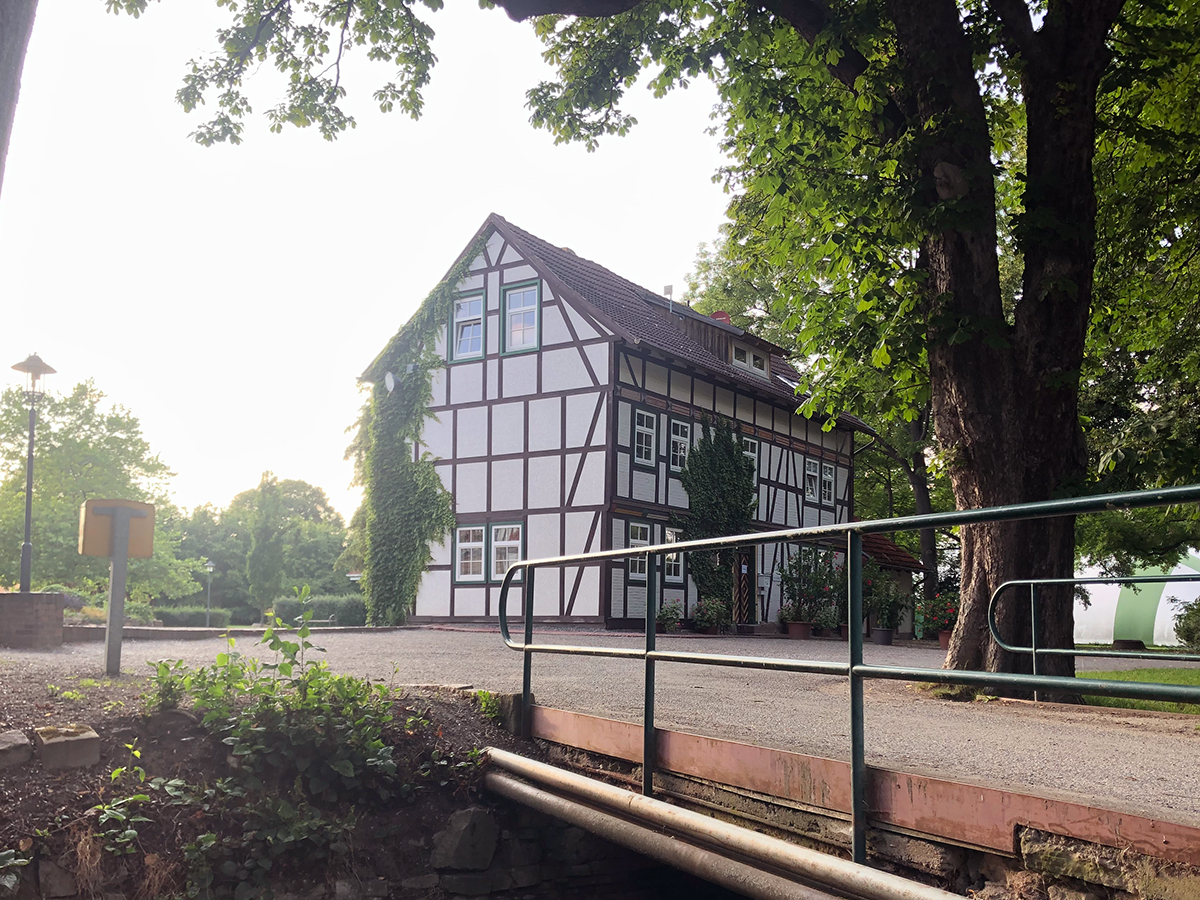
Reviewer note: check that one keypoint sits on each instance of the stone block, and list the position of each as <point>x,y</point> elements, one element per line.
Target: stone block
<point>526,876</point>
<point>1061,857</point>
<point>67,746</point>
<point>501,878</point>
<point>469,842</point>
<point>510,712</point>
<point>15,749</point>
<point>420,882</point>
<point>376,887</point>
<point>55,881</point>
<point>469,884</point>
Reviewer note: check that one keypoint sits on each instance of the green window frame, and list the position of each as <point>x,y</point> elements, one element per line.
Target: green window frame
<point>521,313</point>
<point>644,437</point>
<point>467,324</point>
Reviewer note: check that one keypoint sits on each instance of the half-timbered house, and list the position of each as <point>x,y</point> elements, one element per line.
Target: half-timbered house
<point>568,403</point>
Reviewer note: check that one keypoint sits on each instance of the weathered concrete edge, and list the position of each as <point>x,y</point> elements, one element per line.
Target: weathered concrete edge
<point>980,816</point>
<point>81,633</point>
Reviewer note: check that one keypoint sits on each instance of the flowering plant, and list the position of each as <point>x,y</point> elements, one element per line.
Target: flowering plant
<point>812,584</point>
<point>939,613</point>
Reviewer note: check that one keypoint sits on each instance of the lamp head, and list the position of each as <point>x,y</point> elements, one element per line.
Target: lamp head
<point>210,565</point>
<point>35,371</point>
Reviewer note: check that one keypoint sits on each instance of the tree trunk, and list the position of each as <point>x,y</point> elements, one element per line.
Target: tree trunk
<point>918,476</point>
<point>16,25</point>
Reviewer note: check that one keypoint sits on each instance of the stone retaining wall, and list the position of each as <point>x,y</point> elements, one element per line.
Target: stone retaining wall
<point>31,621</point>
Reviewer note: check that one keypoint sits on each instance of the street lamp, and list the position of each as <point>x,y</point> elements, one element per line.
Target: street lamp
<point>208,564</point>
<point>35,370</point>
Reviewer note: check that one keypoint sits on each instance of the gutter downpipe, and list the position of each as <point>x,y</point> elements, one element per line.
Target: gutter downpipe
<point>839,875</point>
<point>710,866</point>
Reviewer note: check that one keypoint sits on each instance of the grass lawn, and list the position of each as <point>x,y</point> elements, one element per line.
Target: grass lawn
<point>1163,676</point>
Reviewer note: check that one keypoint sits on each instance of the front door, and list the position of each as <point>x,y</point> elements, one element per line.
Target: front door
<point>744,580</point>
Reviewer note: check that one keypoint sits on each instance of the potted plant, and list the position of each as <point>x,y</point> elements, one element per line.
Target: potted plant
<point>938,615</point>
<point>887,604</point>
<point>709,616</point>
<point>795,620</point>
<point>825,618</point>
<point>668,618</point>
<point>811,584</point>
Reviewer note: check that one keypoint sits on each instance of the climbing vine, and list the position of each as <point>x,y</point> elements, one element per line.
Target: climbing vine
<point>407,507</point>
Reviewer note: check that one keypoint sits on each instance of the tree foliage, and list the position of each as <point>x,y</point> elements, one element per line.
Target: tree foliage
<point>85,448</point>
<point>719,480</point>
<point>264,564</point>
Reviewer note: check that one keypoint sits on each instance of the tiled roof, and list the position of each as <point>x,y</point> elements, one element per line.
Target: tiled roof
<point>885,552</point>
<point>647,317</point>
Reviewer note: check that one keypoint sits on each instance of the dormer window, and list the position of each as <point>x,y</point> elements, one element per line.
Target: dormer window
<point>751,360</point>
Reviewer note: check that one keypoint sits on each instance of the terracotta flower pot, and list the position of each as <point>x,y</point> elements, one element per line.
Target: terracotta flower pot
<point>800,631</point>
<point>944,639</point>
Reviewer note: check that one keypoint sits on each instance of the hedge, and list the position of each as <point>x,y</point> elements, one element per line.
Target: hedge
<point>348,609</point>
<point>191,616</point>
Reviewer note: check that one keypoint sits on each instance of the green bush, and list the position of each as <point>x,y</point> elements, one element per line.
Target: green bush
<point>348,609</point>
<point>191,616</point>
<point>244,615</point>
<point>141,613</point>
<point>1187,625</point>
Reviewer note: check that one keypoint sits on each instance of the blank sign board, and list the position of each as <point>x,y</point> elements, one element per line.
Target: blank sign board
<point>95,530</point>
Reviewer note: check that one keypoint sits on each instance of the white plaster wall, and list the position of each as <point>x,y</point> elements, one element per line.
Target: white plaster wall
<point>587,600</point>
<point>637,600</point>
<point>676,495</point>
<point>491,334</point>
<point>580,409</point>
<point>582,328</point>
<point>826,517</point>
<point>764,416</point>
<point>578,526</point>
<point>433,595</point>
<point>656,378</point>
<point>444,472</point>
<point>618,587</point>
<point>546,597</point>
<point>745,408</point>
<point>840,482</point>
<point>510,256</point>
<point>466,383</point>
<point>793,510</point>
<point>437,385</point>
<point>597,354</point>
<point>545,476</point>
<point>543,541</point>
<point>762,503</point>
<point>440,553</point>
<point>545,424</point>
<point>469,601</point>
<point>508,428</point>
<point>724,401</point>
<point>623,416</point>
<point>618,533</point>
<point>590,491</point>
<point>622,475</point>
<point>471,481</point>
<point>478,262</point>
<point>554,331</point>
<point>643,485</point>
<point>519,273</point>
<point>562,370</point>
<point>508,484</point>
<point>495,243</point>
<point>703,391</point>
<point>681,387</point>
<point>811,517</point>
<point>472,431</point>
<point>493,291</point>
<point>493,380</point>
<point>629,370</point>
<point>520,374</point>
<point>436,435</point>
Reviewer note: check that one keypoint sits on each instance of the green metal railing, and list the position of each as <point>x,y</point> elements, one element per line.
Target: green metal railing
<point>1035,584</point>
<point>854,669</point>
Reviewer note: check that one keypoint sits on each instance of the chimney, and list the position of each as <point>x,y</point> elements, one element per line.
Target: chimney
<point>721,316</point>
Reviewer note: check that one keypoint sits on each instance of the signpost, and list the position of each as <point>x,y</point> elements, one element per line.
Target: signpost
<point>121,530</point>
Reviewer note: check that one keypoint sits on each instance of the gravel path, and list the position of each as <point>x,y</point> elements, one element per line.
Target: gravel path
<point>1143,763</point>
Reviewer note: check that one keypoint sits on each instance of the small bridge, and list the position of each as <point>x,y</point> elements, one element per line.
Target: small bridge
<point>855,802</point>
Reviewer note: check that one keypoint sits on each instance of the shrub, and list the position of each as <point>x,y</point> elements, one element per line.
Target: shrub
<point>93,615</point>
<point>191,616</point>
<point>711,612</point>
<point>244,615</point>
<point>140,613</point>
<point>347,609</point>
<point>814,588</point>
<point>938,614</point>
<point>668,616</point>
<point>1187,625</point>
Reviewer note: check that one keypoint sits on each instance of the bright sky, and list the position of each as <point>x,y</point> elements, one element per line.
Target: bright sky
<point>229,296</point>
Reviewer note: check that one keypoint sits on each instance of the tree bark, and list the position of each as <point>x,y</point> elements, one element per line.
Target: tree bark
<point>16,25</point>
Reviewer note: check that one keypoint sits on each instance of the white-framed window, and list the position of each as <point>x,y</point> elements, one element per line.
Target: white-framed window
<point>827,473</point>
<point>750,451</point>
<point>468,553</point>
<point>681,440</point>
<point>812,479</point>
<point>645,427</point>
<point>521,318</point>
<point>468,327</point>
<point>672,562</point>
<point>750,360</point>
<point>639,536</point>
<point>507,548</point>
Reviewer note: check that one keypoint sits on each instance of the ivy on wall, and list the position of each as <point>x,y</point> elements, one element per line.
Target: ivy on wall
<point>407,507</point>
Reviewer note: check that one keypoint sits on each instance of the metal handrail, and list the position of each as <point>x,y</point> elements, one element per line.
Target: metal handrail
<point>854,669</point>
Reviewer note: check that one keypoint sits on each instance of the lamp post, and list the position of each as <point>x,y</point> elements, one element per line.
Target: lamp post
<point>208,564</point>
<point>35,370</point>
